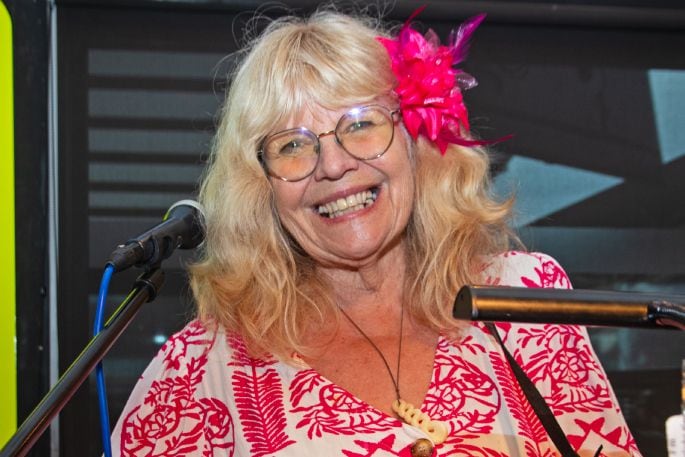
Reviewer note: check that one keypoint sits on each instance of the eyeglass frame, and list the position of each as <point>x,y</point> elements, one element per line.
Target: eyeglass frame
<point>391,113</point>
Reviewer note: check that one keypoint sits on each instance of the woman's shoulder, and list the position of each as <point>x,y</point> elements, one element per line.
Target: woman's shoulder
<point>524,269</point>
<point>184,352</point>
<point>192,342</point>
<point>183,389</point>
<point>206,343</point>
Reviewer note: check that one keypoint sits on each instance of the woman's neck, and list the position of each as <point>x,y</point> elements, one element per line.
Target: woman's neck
<point>373,285</point>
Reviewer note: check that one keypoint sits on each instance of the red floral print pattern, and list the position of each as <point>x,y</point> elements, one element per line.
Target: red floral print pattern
<point>463,395</point>
<point>335,411</point>
<point>204,395</point>
<point>176,349</point>
<point>171,421</point>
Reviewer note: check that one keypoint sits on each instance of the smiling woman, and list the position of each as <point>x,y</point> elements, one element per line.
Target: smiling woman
<point>346,204</point>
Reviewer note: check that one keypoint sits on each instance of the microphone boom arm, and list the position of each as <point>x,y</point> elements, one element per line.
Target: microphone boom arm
<point>566,306</point>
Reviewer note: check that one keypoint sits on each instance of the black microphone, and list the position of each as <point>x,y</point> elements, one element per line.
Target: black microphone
<point>182,227</point>
<point>564,306</point>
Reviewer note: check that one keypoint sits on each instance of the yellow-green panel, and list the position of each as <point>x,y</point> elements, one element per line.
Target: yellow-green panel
<point>8,354</point>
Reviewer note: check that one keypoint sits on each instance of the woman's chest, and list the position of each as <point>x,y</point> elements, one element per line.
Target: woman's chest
<point>333,410</point>
<point>381,372</point>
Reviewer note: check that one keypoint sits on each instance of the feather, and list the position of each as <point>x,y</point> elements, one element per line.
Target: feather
<point>460,39</point>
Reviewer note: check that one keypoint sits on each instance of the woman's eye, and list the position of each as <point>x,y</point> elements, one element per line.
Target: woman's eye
<point>359,125</point>
<point>290,148</point>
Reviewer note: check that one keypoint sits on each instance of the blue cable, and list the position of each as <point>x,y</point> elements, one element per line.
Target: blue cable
<point>99,372</point>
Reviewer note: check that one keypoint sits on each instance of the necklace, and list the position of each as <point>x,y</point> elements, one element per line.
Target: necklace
<point>436,430</point>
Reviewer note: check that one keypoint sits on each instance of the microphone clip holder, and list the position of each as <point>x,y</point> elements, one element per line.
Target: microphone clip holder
<point>667,314</point>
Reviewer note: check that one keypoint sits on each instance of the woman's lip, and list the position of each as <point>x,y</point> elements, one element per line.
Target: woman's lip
<point>350,206</point>
<point>345,193</point>
<point>348,214</point>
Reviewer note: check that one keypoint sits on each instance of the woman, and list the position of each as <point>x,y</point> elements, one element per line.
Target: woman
<point>346,205</point>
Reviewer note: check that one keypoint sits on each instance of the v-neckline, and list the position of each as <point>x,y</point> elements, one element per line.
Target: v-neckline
<point>304,366</point>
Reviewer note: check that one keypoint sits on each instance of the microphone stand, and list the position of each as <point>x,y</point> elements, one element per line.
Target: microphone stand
<point>570,306</point>
<point>145,289</point>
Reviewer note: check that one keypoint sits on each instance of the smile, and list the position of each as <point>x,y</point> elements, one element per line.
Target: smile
<point>353,202</point>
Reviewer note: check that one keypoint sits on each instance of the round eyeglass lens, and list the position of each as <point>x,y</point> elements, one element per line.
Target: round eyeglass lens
<point>366,133</point>
<point>291,154</point>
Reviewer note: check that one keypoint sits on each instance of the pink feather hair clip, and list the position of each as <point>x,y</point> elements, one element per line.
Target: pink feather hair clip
<point>429,87</point>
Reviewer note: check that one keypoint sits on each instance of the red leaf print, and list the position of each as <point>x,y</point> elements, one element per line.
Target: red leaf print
<point>340,413</point>
<point>550,274</point>
<point>259,399</point>
<point>176,347</point>
<point>178,388</point>
<point>467,343</point>
<point>305,382</point>
<point>521,410</point>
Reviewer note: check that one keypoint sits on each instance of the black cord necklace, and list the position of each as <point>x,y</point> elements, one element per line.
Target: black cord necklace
<point>396,377</point>
<point>436,430</point>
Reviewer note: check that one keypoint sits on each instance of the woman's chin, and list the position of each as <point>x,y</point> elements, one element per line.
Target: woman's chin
<point>355,253</point>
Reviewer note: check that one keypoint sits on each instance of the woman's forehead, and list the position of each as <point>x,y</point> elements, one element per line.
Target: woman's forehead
<point>315,114</point>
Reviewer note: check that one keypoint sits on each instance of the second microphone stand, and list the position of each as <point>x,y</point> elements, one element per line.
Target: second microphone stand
<point>145,289</point>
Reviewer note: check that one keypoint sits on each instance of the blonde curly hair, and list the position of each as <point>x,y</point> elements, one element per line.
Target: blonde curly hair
<point>251,277</point>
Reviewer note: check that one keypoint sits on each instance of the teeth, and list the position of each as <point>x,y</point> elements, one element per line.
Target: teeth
<point>348,204</point>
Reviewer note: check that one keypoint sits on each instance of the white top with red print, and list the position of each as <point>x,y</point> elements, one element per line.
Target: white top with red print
<point>204,396</point>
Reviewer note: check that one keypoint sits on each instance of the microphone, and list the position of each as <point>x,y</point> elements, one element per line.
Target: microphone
<point>564,306</point>
<point>182,227</point>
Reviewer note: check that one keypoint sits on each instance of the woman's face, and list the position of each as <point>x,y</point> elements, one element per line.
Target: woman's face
<point>380,190</point>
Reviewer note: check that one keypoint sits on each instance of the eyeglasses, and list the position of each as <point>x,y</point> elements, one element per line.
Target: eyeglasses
<point>365,133</point>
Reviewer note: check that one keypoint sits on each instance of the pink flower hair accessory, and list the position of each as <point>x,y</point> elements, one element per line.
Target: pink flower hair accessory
<point>429,87</point>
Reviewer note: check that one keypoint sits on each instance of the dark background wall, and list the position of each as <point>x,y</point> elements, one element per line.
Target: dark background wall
<point>593,94</point>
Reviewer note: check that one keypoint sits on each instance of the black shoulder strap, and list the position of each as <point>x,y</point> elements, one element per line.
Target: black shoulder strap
<point>537,402</point>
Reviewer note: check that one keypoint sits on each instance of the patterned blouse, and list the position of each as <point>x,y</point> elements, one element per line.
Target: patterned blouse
<point>202,395</point>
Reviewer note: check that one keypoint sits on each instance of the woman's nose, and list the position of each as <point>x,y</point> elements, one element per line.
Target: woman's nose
<point>334,160</point>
